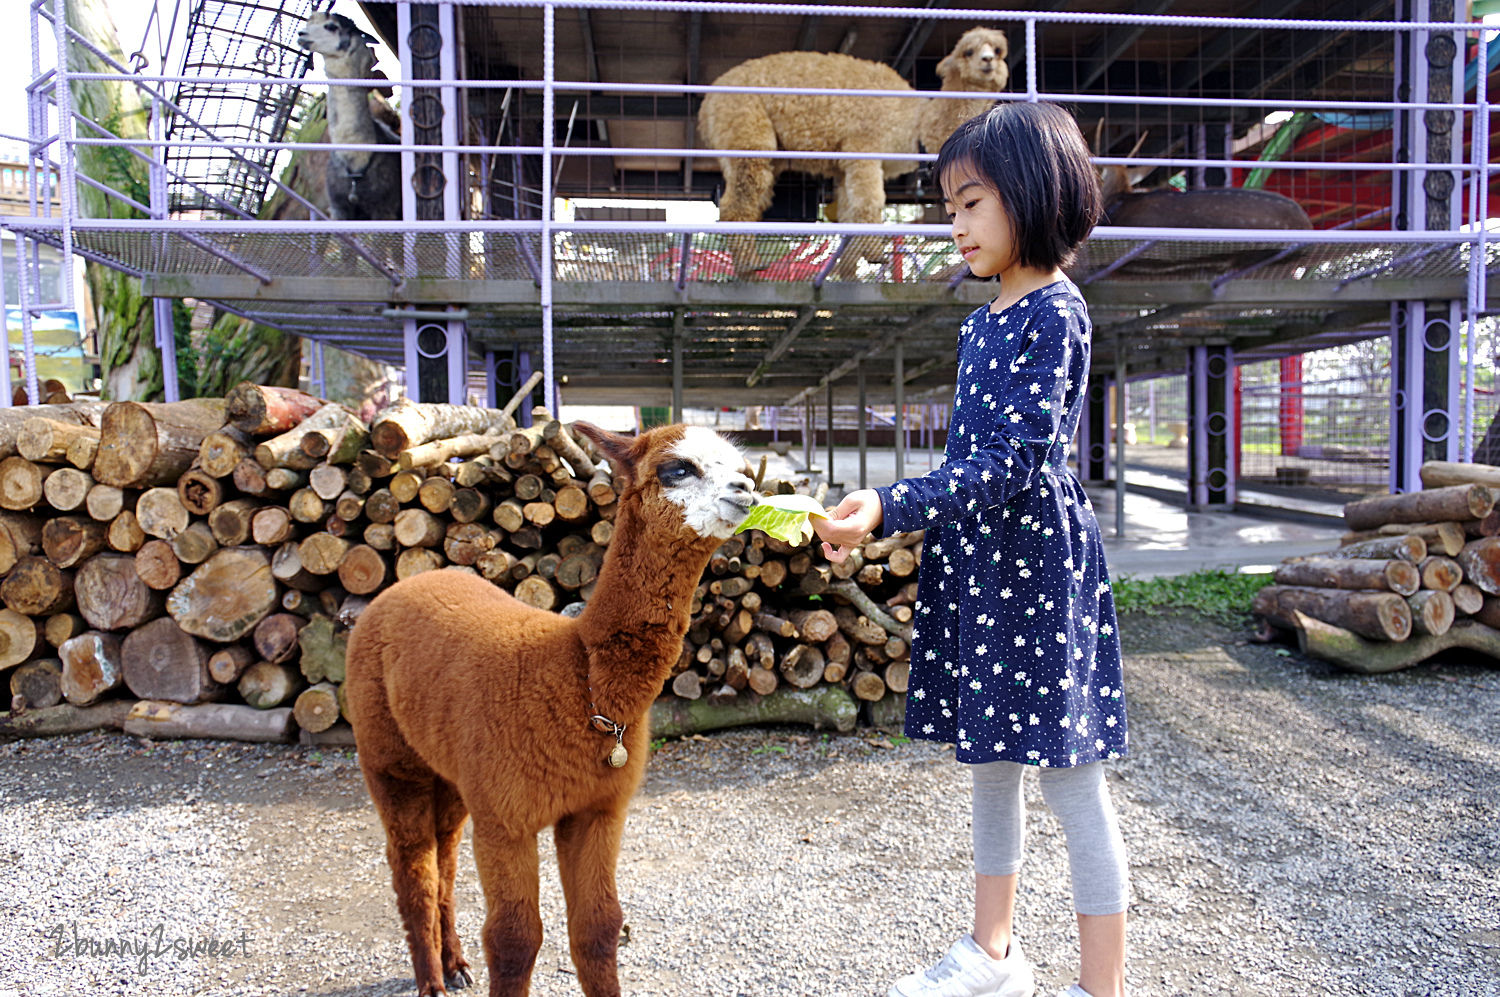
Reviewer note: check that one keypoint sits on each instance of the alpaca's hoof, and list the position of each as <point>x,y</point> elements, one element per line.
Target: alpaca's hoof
<point>460,980</point>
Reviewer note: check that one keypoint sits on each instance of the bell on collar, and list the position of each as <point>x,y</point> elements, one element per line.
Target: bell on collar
<point>618,756</point>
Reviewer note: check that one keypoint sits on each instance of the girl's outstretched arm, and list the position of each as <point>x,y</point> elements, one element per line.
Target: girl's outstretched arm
<point>1031,396</point>
<point>858,514</point>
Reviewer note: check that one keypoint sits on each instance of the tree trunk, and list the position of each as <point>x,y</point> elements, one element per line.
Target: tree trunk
<point>1480,561</point>
<point>1467,599</point>
<point>195,544</point>
<point>161,513</point>
<point>408,424</point>
<point>323,650</point>
<point>226,596</point>
<point>217,721</point>
<point>285,450</point>
<point>37,587</point>
<point>270,526</point>
<point>141,445</point>
<point>21,483</point>
<point>162,661</point>
<point>228,663</point>
<point>535,590</point>
<point>362,570</point>
<point>418,528</point>
<point>1444,473</point>
<point>47,440</point>
<point>337,444</point>
<point>157,565</point>
<point>65,626</point>
<point>440,451</point>
<point>221,451</point>
<point>1441,573</point>
<point>91,667</point>
<point>125,534</point>
<point>112,596</point>
<point>68,540</point>
<point>1379,615</point>
<point>1428,506</point>
<point>65,719</point>
<point>1407,548</point>
<point>265,684</point>
<point>802,667</point>
<point>1431,612</point>
<point>317,707</point>
<point>263,410</point>
<point>1401,577</point>
<point>230,521</point>
<point>321,553</point>
<point>199,491</point>
<point>67,489</point>
<point>276,637</point>
<point>829,707</point>
<point>20,536</point>
<point>20,636</point>
<point>37,683</point>
<point>1375,657</point>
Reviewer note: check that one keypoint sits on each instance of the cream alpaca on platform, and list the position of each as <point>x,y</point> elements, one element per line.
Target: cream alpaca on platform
<point>466,702</point>
<point>839,124</point>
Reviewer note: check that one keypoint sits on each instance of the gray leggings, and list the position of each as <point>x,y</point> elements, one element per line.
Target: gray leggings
<point>1079,799</point>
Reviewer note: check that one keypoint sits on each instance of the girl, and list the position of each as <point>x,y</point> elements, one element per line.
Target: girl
<point>1014,655</point>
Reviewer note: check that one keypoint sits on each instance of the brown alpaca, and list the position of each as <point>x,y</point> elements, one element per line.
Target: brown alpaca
<point>465,701</point>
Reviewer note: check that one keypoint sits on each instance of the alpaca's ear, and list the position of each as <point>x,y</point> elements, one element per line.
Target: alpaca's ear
<point>945,68</point>
<point>613,446</point>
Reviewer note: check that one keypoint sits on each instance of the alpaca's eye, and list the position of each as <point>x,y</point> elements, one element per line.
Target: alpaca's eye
<point>968,52</point>
<point>675,472</point>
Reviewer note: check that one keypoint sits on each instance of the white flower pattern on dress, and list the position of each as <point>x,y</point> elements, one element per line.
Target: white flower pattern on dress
<point>1035,573</point>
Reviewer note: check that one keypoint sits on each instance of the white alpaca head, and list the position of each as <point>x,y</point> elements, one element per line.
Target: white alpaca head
<point>338,39</point>
<point>977,62</point>
<point>709,483</point>
<point>688,475</point>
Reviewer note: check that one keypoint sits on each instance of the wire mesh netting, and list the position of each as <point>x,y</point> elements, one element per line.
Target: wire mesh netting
<point>235,38</point>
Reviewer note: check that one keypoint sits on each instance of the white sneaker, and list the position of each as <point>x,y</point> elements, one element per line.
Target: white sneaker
<point>969,971</point>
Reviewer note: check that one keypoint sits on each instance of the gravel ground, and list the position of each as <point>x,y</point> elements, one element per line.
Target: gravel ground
<point>1291,829</point>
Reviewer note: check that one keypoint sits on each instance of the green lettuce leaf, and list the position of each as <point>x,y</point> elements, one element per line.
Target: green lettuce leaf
<point>785,517</point>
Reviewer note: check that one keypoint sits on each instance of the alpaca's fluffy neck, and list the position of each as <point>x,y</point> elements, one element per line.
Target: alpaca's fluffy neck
<point>633,627</point>
<point>349,111</point>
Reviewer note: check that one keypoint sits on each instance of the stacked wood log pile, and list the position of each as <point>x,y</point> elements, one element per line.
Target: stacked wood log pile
<point>193,568</point>
<point>1417,573</point>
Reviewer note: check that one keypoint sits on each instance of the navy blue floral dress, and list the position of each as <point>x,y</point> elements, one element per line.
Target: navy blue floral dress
<point>1015,655</point>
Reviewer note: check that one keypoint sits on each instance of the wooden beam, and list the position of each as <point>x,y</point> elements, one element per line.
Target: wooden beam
<point>1225,45</point>
<point>1113,41</point>
<point>807,35</point>
<point>782,345</point>
<point>915,39</point>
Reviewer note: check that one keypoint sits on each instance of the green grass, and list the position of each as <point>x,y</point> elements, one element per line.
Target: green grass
<point>1223,596</point>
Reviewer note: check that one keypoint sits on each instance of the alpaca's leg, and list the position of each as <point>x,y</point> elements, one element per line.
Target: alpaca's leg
<point>449,814</point>
<point>861,201</point>
<point>588,845</point>
<point>513,925</point>
<point>406,809</point>
<point>748,183</point>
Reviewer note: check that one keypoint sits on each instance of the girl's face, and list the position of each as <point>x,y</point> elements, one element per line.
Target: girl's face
<point>982,229</point>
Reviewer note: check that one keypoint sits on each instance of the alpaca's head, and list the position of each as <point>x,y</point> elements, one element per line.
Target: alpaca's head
<point>977,62</point>
<point>335,37</point>
<point>685,478</point>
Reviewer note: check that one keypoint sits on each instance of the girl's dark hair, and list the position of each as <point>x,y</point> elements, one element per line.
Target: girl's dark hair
<point>1034,158</point>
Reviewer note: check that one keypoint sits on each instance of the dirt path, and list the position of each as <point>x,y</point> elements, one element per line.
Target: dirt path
<point>1291,830</point>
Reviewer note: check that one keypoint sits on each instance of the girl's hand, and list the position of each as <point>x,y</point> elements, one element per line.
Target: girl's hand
<point>856,516</point>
